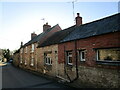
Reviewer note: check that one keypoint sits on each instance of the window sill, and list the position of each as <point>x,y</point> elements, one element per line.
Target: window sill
<point>48,64</point>
<point>112,63</point>
<point>82,61</point>
<point>32,51</point>
<point>70,64</point>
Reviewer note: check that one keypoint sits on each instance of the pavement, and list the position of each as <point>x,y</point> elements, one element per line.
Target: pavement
<point>17,78</point>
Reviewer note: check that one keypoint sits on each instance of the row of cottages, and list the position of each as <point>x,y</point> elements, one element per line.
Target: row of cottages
<point>83,54</point>
<point>28,52</point>
<point>16,58</point>
<point>88,54</point>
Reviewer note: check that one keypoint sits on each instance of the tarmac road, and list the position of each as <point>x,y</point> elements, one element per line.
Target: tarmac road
<point>13,77</point>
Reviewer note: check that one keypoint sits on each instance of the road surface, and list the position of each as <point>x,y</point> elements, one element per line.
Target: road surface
<point>17,78</point>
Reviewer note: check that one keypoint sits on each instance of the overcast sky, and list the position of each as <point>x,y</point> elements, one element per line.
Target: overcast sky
<point>20,19</point>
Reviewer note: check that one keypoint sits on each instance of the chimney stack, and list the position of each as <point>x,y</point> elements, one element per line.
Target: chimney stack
<point>78,20</point>
<point>21,44</point>
<point>33,35</point>
<point>46,27</point>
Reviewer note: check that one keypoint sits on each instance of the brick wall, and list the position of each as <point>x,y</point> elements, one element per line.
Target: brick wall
<point>89,68</point>
<point>102,41</point>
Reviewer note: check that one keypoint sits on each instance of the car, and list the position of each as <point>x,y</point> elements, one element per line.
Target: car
<point>10,61</point>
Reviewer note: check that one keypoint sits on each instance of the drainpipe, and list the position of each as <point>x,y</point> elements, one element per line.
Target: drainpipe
<point>76,59</point>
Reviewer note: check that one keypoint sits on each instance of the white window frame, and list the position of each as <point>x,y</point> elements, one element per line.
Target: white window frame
<point>48,60</point>
<point>105,60</point>
<point>68,56</point>
<point>21,60</point>
<point>32,48</point>
<point>25,62</point>
<point>81,55</point>
<point>32,61</point>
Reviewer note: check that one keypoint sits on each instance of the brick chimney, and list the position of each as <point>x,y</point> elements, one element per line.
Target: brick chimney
<point>33,35</point>
<point>78,20</point>
<point>21,44</point>
<point>46,27</point>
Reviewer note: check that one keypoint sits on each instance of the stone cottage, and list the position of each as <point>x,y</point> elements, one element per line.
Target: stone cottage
<point>28,52</point>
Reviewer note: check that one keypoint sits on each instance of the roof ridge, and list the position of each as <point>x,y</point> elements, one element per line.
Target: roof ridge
<point>35,38</point>
<point>99,27</point>
<point>100,19</point>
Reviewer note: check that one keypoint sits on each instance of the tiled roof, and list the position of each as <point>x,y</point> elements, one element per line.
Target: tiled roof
<point>99,27</point>
<point>57,37</point>
<point>39,37</point>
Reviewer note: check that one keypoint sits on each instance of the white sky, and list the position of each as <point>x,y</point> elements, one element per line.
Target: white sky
<point>20,19</point>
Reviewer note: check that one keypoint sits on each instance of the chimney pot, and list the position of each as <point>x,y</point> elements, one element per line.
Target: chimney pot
<point>78,14</point>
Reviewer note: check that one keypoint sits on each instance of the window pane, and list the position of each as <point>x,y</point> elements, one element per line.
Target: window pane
<point>45,60</point>
<point>109,54</point>
<point>49,60</point>
<point>32,47</point>
<point>69,57</point>
<point>83,55</point>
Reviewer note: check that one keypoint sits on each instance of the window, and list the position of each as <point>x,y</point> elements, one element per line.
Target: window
<point>33,47</point>
<point>82,55</point>
<point>48,59</point>
<point>25,62</point>
<point>26,49</point>
<point>112,54</point>
<point>20,58</point>
<point>32,61</point>
<point>69,57</point>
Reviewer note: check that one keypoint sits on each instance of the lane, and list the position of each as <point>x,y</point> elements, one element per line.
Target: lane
<point>16,78</point>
